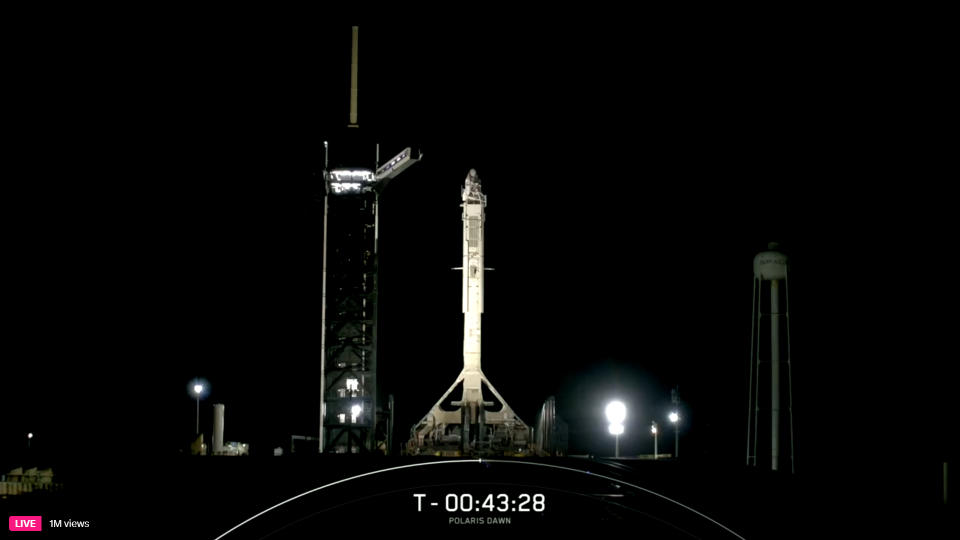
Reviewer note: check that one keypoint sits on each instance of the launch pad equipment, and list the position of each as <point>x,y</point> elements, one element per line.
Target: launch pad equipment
<point>352,416</point>
<point>471,425</point>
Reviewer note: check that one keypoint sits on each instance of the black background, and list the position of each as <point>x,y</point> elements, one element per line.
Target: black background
<point>162,222</point>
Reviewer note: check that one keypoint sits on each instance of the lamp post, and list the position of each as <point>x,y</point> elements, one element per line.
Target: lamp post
<point>616,413</point>
<point>675,420</point>
<point>616,430</point>
<point>198,390</point>
<point>29,440</point>
<point>653,429</point>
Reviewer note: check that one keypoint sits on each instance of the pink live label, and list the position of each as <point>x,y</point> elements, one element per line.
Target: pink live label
<point>25,523</point>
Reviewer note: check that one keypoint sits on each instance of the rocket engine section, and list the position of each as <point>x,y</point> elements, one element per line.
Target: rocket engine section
<point>474,426</point>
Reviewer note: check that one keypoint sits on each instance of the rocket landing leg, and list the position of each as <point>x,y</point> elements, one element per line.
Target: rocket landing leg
<point>472,427</point>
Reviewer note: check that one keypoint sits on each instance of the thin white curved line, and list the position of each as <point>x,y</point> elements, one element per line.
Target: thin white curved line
<point>248,520</point>
<point>617,480</point>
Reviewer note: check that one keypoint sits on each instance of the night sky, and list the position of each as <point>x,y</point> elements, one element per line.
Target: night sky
<point>162,222</point>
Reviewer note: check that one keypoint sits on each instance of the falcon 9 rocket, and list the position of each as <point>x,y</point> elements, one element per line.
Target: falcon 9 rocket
<point>471,425</point>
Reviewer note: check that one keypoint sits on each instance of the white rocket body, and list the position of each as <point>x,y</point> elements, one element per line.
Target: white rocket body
<point>474,202</point>
<point>503,424</point>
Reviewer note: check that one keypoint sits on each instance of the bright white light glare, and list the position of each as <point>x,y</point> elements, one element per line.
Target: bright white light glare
<point>354,413</point>
<point>352,175</point>
<point>674,417</point>
<point>29,435</point>
<point>616,412</point>
<point>653,429</point>
<point>343,418</point>
<point>346,187</point>
<point>616,429</point>
<point>197,388</point>
<point>353,385</point>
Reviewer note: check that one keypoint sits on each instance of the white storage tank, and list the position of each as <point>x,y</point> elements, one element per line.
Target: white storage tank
<point>218,410</point>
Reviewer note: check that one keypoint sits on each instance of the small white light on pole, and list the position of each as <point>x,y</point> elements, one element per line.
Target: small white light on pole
<point>29,435</point>
<point>653,429</point>
<point>199,389</point>
<point>675,419</point>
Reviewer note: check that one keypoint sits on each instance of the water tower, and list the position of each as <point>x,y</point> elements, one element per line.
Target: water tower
<point>770,363</point>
